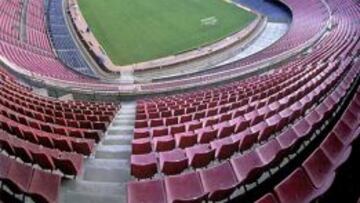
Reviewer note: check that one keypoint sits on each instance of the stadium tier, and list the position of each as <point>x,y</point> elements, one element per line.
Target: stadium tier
<point>280,125</point>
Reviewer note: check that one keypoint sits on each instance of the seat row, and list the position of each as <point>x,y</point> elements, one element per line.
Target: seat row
<point>23,179</point>
<point>48,159</point>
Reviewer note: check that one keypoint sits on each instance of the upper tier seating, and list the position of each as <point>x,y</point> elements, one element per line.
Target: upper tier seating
<point>63,41</point>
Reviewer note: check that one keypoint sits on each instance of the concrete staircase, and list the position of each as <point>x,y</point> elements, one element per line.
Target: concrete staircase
<point>107,171</point>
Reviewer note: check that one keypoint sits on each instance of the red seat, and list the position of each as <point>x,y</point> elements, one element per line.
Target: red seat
<point>5,166</point>
<point>246,139</point>
<point>335,150</point>
<point>224,148</point>
<point>343,132</point>
<point>160,131</point>
<point>184,188</point>
<point>143,165</point>
<point>219,181</point>
<point>69,163</point>
<point>267,198</point>
<point>318,168</point>
<point>287,139</point>
<point>19,177</point>
<point>44,187</point>
<point>62,144</point>
<point>186,139</point>
<point>206,135</point>
<point>302,128</point>
<point>164,143</point>
<point>200,155</point>
<point>173,162</point>
<point>225,129</point>
<point>270,152</point>
<point>141,133</point>
<point>83,147</point>
<point>21,150</point>
<point>152,191</point>
<point>41,157</point>
<point>141,146</point>
<point>246,166</point>
<point>297,188</point>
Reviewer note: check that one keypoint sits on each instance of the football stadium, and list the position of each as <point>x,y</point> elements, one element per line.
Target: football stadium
<point>169,101</point>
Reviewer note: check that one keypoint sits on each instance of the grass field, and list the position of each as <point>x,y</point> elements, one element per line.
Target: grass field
<point>133,31</point>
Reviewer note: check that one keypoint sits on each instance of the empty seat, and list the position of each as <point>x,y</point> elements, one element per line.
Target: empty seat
<point>143,165</point>
<point>200,155</point>
<point>152,191</point>
<point>164,143</point>
<point>184,188</point>
<point>44,187</point>
<point>297,188</point>
<point>246,166</point>
<point>267,198</point>
<point>219,181</point>
<point>19,177</point>
<point>173,162</point>
<point>141,146</point>
<point>335,150</point>
<point>318,168</point>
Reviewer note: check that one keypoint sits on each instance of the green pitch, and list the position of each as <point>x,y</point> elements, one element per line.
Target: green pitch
<point>133,31</point>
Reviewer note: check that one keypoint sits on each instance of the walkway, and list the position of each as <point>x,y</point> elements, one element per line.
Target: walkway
<point>107,171</point>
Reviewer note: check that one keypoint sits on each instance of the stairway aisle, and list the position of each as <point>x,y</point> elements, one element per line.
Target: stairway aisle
<point>107,171</point>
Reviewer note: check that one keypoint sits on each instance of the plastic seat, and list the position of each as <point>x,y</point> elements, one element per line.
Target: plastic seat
<point>152,191</point>
<point>267,198</point>
<point>287,139</point>
<point>219,181</point>
<point>186,139</point>
<point>141,146</point>
<point>19,177</point>
<point>69,163</point>
<point>164,143</point>
<point>200,155</point>
<point>206,135</point>
<point>297,188</point>
<point>343,132</point>
<point>335,150</point>
<point>141,133</point>
<point>302,128</point>
<point>62,143</point>
<point>82,147</point>
<point>224,148</point>
<point>246,166</point>
<point>246,139</point>
<point>143,165</point>
<point>318,168</point>
<point>44,187</point>
<point>160,131</point>
<point>173,162</point>
<point>225,129</point>
<point>42,158</point>
<point>5,166</point>
<point>184,188</point>
<point>270,153</point>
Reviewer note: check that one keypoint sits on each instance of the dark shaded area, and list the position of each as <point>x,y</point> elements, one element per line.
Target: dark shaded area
<point>346,187</point>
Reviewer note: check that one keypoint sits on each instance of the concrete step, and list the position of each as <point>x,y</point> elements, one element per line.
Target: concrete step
<point>81,191</point>
<point>123,122</point>
<point>124,116</point>
<point>117,140</point>
<point>120,130</point>
<point>113,152</point>
<point>107,170</point>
